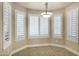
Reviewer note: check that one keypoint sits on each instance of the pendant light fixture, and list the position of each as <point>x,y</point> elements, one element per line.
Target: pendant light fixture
<point>46,13</point>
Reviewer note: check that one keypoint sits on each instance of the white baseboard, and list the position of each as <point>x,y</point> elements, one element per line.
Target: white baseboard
<point>62,46</point>
<point>73,51</point>
<point>38,45</point>
<point>57,45</point>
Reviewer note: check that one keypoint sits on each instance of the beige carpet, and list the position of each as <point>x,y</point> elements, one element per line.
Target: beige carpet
<point>44,51</point>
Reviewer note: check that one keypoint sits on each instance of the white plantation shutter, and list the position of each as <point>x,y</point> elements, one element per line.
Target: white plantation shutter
<point>20,18</point>
<point>6,23</point>
<point>73,25</point>
<point>57,25</point>
<point>38,26</point>
<point>43,26</point>
<point>33,25</point>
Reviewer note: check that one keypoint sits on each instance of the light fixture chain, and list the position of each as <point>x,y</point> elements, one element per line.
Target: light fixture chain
<point>46,6</point>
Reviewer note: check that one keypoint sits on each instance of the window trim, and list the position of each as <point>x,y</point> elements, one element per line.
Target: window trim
<point>24,14</point>
<point>48,35</point>
<point>67,34</point>
<point>53,34</point>
<point>37,37</point>
<point>9,27</point>
<point>31,37</point>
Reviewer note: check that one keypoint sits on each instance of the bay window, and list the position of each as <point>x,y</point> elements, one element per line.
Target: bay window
<point>72,24</point>
<point>6,24</point>
<point>57,25</point>
<point>38,26</point>
<point>44,26</point>
<point>20,19</point>
<point>33,24</point>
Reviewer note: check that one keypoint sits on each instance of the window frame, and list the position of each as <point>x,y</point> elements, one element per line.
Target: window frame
<point>38,37</point>
<point>8,42</point>
<point>31,37</point>
<point>24,14</point>
<point>76,40</point>
<point>53,34</point>
<point>46,35</point>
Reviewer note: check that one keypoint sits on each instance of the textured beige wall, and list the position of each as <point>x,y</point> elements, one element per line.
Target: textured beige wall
<point>38,41</point>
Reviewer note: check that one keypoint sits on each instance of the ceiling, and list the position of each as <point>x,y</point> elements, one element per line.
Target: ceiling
<point>41,5</point>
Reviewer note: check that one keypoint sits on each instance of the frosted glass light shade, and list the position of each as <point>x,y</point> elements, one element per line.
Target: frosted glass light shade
<point>48,14</point>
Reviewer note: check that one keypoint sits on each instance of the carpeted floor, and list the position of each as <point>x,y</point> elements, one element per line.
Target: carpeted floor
<point>44,51</point>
